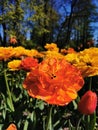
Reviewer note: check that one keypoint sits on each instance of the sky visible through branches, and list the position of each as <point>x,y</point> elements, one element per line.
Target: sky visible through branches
<point>95,24</point>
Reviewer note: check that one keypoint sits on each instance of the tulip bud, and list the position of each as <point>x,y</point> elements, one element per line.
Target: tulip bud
<point>88,103</point>
<point>13,40</point>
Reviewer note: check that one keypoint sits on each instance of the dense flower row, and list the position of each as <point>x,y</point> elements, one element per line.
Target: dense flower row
<point>85,60</point>
<point>7,53</point>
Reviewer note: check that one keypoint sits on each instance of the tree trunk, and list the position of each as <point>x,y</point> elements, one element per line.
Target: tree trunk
<point>70,21</point>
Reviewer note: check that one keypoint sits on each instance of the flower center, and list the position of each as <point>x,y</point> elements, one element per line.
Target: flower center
<point>89,64</point>
<point>53,76</point>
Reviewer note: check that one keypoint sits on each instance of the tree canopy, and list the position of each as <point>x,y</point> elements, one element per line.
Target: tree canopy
<point>35,23</point>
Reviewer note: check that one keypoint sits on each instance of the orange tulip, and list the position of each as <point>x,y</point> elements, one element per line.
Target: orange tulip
<point>12,127</point>
<point>88,103</point>
<point>54,81</point>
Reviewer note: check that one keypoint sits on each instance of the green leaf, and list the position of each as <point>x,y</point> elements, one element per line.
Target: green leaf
<point>33,116</point>
<point>26,125</point>
<point>9,103</point>
<point>4,114</point>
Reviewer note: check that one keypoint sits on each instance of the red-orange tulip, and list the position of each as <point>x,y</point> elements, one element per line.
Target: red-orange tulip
<point>54,81</point>
<point>88,103</point>
<point>29,63</point>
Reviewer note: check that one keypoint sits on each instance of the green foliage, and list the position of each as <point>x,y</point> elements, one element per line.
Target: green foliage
<point>12,15</point>
<point>44,20</point>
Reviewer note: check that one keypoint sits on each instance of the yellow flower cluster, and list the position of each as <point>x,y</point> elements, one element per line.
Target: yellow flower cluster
<point>14,65</point>
<point>7,53</point>
<point>86,61</point>
<point>51,47</point>
<point>52,51</point>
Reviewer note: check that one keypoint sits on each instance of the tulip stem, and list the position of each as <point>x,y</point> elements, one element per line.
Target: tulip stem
<point>90,83</point>
<point>90,121</point>
<point>49,120</point>
<point>77,128</point>
<point>10,103</point>
<point>87,119</point>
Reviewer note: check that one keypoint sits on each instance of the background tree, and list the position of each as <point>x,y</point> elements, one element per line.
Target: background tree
<point>76,27</point>
<point>37,22</point>
<point>11,19</point>
<point>44,21</point>
<point>84,12</point>
<point>3,5</point>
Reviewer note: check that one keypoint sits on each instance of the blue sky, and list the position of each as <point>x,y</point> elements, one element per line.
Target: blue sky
<point>95,25</point>
<point>95,32</point>
<point>1,31</point>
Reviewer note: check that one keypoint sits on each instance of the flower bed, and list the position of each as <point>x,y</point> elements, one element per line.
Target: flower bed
<point>54,89</point>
